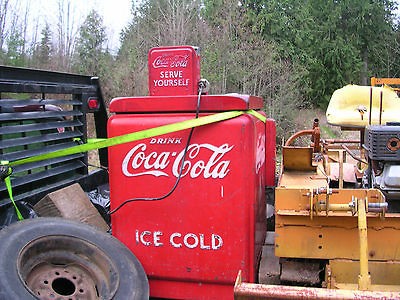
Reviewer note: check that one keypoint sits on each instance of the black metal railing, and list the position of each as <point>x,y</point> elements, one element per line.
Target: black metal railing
<point>42,112</point>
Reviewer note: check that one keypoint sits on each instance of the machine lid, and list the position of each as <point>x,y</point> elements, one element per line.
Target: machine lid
<point>185,103</point>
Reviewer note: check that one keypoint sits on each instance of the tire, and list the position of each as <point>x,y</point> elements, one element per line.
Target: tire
<point>54,258</point>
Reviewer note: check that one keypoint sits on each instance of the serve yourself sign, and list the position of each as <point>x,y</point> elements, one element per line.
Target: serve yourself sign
<point>174,71</point>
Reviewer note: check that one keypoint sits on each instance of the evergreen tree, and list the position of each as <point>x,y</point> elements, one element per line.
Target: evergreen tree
<point>42,53</point>
<point>15,55</point>
<point>154,23</point>
<point>89,47</point>
<point>336,42</point>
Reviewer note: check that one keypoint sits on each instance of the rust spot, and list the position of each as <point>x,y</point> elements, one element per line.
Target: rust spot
<point>372,253</point>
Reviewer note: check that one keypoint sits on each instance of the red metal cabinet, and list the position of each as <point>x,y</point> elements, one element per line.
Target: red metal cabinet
<point>193,242</point>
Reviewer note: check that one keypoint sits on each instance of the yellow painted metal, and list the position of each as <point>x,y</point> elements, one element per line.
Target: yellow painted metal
<point>320,241</point>
<point>341,229</point>
<point>313,221</point>
<point>347,227</point>
<point>385,275</point>
<point>380,81</point>
<point>335,236</point>
<point>302,179</point>
<point>297,158</point>
<point>332,207</point>
<point>295,199</point>
<point>364,279</point>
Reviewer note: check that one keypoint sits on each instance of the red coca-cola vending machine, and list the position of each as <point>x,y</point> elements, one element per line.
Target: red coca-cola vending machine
<point>193,200</point>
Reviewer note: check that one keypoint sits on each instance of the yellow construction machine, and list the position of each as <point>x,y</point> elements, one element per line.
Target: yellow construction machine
<point>337,205</point>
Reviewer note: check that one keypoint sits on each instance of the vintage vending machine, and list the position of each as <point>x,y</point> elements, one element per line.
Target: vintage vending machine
<point>193,200</point>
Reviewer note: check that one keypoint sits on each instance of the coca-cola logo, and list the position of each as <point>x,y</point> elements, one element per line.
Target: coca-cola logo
<point>173,61</point>
<point>201,160</point>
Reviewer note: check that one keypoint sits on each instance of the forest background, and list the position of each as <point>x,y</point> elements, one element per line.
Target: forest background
<point>294,54</point>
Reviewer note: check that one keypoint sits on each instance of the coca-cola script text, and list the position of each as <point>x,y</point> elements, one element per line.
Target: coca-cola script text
<point>201,160</point>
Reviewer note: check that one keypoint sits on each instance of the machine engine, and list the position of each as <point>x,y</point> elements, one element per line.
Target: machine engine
<point>382,143</point>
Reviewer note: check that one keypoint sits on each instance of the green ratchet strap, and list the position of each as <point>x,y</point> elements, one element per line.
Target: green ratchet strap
<point>257,115</point>
<point>7,181</point>
<point>131,137</point>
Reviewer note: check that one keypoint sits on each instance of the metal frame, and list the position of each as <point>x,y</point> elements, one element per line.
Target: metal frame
<point>31,123</point>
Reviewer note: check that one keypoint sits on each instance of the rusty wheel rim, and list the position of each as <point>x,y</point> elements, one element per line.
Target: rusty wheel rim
<point>63,267</point>
<point>64,282</point>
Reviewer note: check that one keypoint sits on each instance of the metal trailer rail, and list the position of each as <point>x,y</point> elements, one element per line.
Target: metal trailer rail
<point>43,111</point>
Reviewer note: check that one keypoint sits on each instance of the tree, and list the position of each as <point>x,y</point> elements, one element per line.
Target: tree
<point>336,42</point>
<point>393,66</point>
<point>13,33</point>
<point>4,7</point>
<point>237,59</point>
<point>42,53</point>
<point>154,23</point>
<point>378,37</point>
<point>15,55</point>
<point>89,46</point>
<point>234,58</point>
<point>66,32</point>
